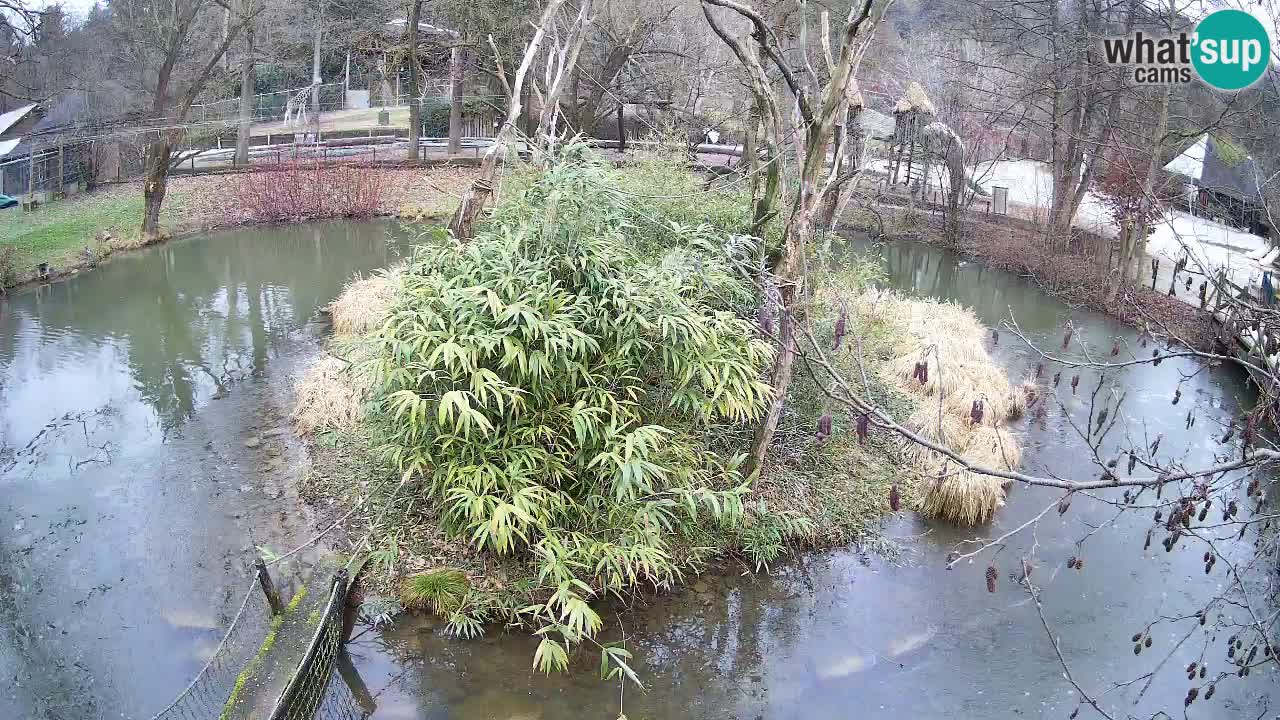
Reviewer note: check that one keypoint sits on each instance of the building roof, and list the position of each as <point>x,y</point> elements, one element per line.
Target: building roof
<point>1203,163</point>
<point>70,109</point>
<point>7,146</point>
<point>11,118</point>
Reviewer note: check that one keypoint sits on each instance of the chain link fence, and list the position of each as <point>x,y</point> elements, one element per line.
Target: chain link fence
<point>322,685</point>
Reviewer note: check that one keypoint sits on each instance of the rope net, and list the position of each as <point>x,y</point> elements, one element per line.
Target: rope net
<point>206,695</point>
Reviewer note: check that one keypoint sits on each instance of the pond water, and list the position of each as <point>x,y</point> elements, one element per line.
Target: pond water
<point>845,634</point>
<point>130,505</point>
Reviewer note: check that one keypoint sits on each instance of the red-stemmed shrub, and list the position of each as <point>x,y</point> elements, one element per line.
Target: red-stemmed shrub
<point>306,191</point>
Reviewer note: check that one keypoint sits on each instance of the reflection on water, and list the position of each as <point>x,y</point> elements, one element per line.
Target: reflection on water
<point>840,634</point>
<point>128,500</point>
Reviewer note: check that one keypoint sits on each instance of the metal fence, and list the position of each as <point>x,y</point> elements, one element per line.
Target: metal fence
<point>307,691</point>
<point>64,168</point>
<point>270,106</point>
<point>322,685</point>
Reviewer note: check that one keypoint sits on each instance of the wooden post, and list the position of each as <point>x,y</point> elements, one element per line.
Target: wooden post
<point>268,587</point>
<point>62,185</point>
<point>622,131</point>
<point>31,171</point>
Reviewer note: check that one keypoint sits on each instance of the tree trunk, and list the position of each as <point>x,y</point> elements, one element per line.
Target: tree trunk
<point>817,131</point>
<point>455,100</point>
<point>384,84</point>
<point>1134,238</point>
<point>155,186</point>
<point>415,120</point>
<point>766,205</point>
<point>779,379</point>
<point>476,197</point>
<point>316,80</point>
<point>791,282</point>
<point>750,155</point>
<point>622,129</point>
<point>246,98</point>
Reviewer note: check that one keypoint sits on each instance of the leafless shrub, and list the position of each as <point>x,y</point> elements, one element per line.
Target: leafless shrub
<point>306,191</point>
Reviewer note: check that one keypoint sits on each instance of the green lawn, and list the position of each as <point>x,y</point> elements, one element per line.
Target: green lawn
<point>56,233</point>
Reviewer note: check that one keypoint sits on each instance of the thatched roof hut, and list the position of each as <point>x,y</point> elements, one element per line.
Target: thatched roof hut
<point>914,101</point>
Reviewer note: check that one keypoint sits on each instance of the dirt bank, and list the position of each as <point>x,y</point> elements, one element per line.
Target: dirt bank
<point>1075,277</point>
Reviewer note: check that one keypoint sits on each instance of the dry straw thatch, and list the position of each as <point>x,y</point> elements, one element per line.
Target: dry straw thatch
<point>328,397</point>
<point>960,371</point>
<point>364,304</point>
<point>914,100</point>
<point>330,394</point>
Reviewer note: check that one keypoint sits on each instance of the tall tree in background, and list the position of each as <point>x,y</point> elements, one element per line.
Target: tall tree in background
<point>820,101</point>
<point>248,70</point>
<point>1053,64</point>
<point>478,194</point>
<point>415,96</point>
<point>561,64</point>
<point>172,49</point>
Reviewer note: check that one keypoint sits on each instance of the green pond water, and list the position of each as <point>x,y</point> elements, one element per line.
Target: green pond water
<point>130,507</point>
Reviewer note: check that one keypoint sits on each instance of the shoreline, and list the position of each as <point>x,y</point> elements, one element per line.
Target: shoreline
<point>413,194</point>
<point>1138,306</point>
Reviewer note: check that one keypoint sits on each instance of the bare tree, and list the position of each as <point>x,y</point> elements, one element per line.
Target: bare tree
<point>247,85</point>
<point>174,49</point>
<point>477,196</point>
<point>819,102</point>
<point>561,64</point>
<point>415,96</point>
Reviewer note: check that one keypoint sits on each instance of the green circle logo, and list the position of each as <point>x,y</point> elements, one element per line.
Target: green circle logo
<point>1232,50</point>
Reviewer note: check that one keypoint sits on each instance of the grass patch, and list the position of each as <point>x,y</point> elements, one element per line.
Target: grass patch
<point>58,233</point>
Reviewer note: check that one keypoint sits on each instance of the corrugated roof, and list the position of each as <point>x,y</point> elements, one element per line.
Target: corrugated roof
<point>12,117</point>
<point>7,146</point>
